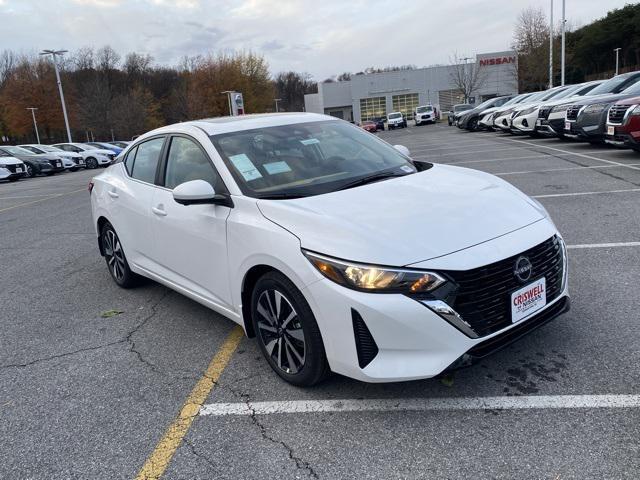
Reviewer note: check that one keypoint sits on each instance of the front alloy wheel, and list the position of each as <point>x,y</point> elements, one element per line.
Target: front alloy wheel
<point>287,332</point>
<point>92,163</point>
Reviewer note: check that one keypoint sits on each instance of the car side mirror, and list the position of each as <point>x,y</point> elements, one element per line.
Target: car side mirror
<point>197,192</point>
<point>402,149</point>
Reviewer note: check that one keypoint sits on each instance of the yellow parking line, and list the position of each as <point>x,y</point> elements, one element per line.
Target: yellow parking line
<point>159,460</point>
<point>54,195</point>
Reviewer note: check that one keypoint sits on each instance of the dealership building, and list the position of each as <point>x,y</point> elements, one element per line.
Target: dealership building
<point>373,95</point>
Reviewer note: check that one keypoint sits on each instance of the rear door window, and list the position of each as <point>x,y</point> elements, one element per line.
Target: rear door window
<point>146,160</point>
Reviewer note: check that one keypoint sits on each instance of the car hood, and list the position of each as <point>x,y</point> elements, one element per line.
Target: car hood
<point>405,220</point>
<point>604,98</point>
<point>10,161</point>
<point>40,158</point>
<point>101,151</point>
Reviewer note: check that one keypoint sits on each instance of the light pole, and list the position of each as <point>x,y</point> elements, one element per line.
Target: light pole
<point>35,124</point>
<point>53,54</point>
<point>562,51</point>
<point>277,100</point>
<point>551,47</point>
<point>617,50</point>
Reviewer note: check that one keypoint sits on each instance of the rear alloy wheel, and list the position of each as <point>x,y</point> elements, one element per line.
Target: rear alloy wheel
<point>287,331</point>
<point>92,163</point>
<point>31,171</point>
<point>115,258</point>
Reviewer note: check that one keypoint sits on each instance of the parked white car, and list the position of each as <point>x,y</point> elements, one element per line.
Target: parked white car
<point>396,120</point>
<point>424,114</point>
<point>333,248</point>
<point>93,157</point>
<point>11,168</point>
<point>71,160</point>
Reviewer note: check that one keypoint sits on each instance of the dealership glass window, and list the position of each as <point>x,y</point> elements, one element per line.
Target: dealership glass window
<point>406,104</point>
<point>373,107</point>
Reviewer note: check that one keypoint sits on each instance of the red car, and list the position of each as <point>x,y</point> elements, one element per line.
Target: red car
<point>369,126</point>
<point>623,123</point>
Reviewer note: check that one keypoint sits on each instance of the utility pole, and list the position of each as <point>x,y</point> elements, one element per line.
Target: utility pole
<point>35,124</point>
<point>564,21</point>
<point>53,53</point>
<point>617,50</point>
<point>551,47</point>
<point>277,100</point>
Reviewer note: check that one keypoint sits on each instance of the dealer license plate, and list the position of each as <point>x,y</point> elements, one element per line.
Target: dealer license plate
<point>611,130</point>
<point>538,122</point>
<point>528,300</point>
<point>18,169</point>
<point>567,126</point>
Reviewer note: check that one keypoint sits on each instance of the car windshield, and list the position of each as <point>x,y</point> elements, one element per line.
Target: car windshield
<point>424,109</point>
<point>614,85</point>
<point>395,115</point>
<point>461,108</point>
<point>47,148</point>
<point>33,149</point>
<point>306,159</point>
<point>17,150</point>
<point>634,88</point>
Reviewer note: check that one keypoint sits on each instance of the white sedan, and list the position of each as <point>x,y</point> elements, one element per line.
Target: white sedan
<point>93,157</point>
<point>333,248</point>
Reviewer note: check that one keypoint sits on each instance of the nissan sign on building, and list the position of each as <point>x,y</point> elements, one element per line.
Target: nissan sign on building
<point>371,96</point>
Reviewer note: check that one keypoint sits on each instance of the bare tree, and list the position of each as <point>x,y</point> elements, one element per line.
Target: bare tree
<point>467,77</point>
<point>531,42</point>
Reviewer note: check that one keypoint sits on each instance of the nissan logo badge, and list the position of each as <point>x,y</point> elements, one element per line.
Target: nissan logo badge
<point>522,269</point>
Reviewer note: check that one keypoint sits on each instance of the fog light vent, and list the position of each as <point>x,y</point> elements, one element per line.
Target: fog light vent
<point>365,344</point>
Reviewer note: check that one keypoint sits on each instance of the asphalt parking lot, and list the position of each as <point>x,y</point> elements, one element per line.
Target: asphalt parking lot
<point>96,381</point>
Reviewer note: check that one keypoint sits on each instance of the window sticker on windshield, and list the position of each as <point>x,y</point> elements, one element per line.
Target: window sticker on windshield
<point>406,168</point>
<point>245,166</point>
<point>310,141</point>
<point>276,167</point>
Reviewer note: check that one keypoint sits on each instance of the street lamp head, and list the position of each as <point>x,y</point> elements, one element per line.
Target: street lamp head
<point>53,52</point>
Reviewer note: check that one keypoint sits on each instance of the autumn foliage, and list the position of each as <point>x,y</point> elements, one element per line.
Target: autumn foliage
<point>108,97</point>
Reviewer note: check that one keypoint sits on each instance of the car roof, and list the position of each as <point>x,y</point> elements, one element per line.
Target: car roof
<point>218,125</point>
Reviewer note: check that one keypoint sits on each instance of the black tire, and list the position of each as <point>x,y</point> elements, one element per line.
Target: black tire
<point>50,174</point>
<point>116,260</point>
<point>472,126</point>
<point>274,331</point>
<point>31,172</point>
<point>14,179</point>
<point>92,163</point>
<point>450,122</point>
<point>73,169</point>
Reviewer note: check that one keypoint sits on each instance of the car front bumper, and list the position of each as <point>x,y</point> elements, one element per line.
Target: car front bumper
<point>411,340</point>
<point>525,123</point>
<point>425,118</point>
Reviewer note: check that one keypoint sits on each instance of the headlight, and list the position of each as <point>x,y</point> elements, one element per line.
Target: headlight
<point>527,111</point>
<point>2,165</point>
<point>372,278</point>
<point>635,111</point>
<point>595,108</point>
<point>561,108</point>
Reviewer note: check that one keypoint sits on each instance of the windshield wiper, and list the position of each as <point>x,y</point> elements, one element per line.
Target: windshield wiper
<point>279,196</point>
<point>372,178</point>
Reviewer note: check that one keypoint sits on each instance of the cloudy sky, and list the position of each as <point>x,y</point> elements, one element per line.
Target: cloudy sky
<point>321,37</point>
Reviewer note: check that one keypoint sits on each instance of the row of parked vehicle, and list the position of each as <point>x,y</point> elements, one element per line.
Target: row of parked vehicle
<point>601,111</point>
<point>422,115</point>
<point>29,160</point>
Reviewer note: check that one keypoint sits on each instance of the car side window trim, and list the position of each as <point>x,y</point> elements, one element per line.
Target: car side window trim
<point>165,157</point>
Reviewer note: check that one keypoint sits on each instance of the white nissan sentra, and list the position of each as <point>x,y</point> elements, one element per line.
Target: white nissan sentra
<point>333,248</point>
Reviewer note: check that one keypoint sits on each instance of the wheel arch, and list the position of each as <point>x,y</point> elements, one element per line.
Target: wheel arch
<point>102,221</point>
<point>249,281</point>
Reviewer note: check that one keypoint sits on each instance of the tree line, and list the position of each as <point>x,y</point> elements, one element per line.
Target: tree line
<point>589,49</point>
<point>113,97</point>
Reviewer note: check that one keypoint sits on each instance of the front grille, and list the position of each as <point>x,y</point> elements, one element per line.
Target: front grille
<point>366,347</point>
<point>544,112</point>
<point>483,298</point>
<point>11,168</point>
<point>572,112</point>
<point>617,112</point>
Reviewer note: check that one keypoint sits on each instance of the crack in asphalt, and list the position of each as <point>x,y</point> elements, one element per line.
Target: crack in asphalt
<point>127,339</point>
<point>301,464</point>
<point>207,460</point>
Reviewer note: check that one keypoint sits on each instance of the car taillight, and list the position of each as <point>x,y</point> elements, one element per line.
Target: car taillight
<point>90,187</point>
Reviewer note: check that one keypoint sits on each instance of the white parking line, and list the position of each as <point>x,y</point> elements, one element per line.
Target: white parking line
<point>464,162</point>
<point>423,404</point>
<point>604,245</point>
<point>577,194</point>
<point>583,155</point>
<point>558,169</point>
<point>474,152</point>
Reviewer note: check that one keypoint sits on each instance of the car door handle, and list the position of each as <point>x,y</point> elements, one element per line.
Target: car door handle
<point>113,194</point>
<point>159,211</point>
